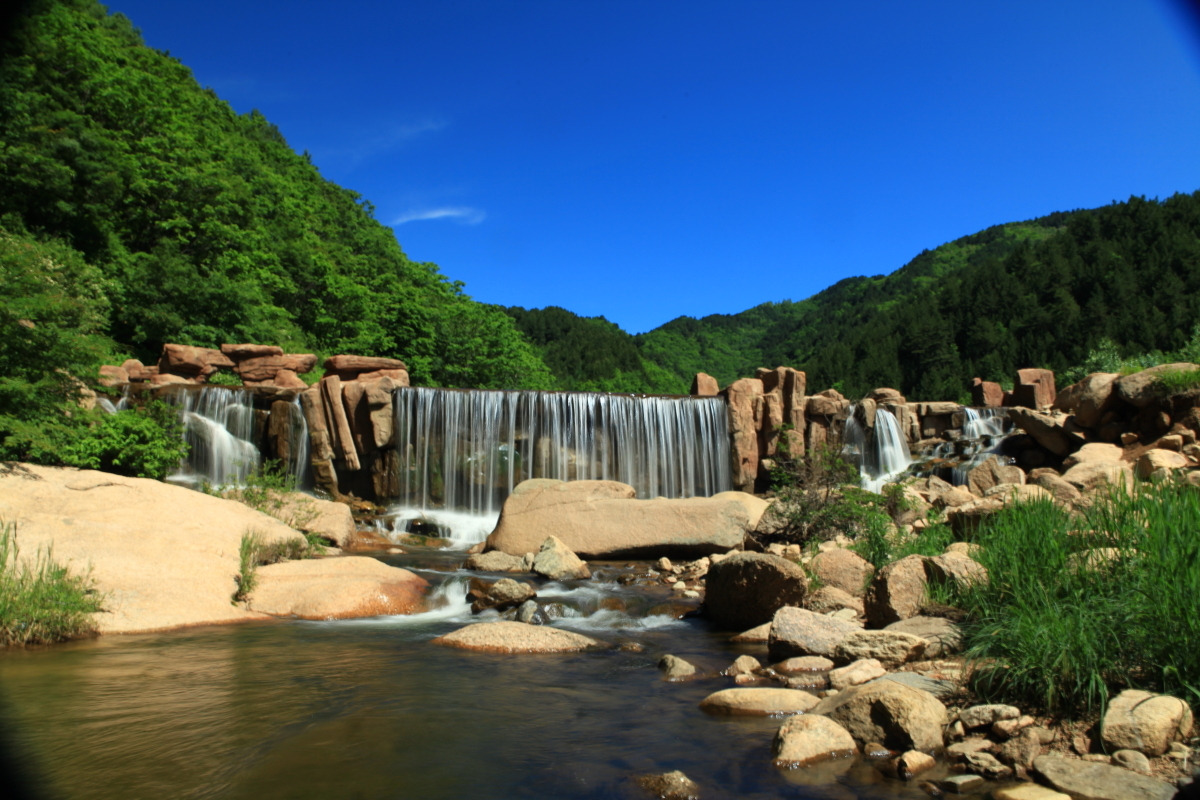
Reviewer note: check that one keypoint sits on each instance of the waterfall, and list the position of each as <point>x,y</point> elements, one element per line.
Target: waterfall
<point>881,452</point>
<point>218,426</point>
<point>979,423</point>
<point>462,452</point>
<point>982,429</point>
<point>299,466</point>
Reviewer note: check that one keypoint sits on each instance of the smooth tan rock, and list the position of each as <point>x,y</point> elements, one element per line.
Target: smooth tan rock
<point>704,385</point>
<point>966,519</point>
<point>602,520</point>
<point>515,637</point>
<point>743,665</point>
<point>892,648</point>
<point>803,664</point>
<point>745,403</point>
<point>1034,388</point>
<point>831,598</point>
<point>242,351</point>
<point>986,714</point>
<point>1141,388</point>
<point>350,366</point>
<point>861,671</point>
<point>555,561</point>
<point>329,520</point>
<point>747,589</point>
<point>759,633</point>
<point>993,473</point>
<point>963,571</point>
<point>986,394</point>
<point>1092,476</point>
<point>942,636</point>
<point>1146,722</point>
<point>495,561</point>
<point>186,360</point>
<point>761,702</point>
<point>162,556</point>
<point>898,716</point>
<point>1028,791</point>
<point>800,632</point>
<point>1086,779</point>
<point>1089,399</point>
<point>337,588</point>
<point>268,367</point>
<point>1059,488</point>
<point>1156,459</point>
<point>674,668</point>
<point>843,569</point>
<point>113,376</point>
<point>897,592</point>
<point>805,739</point>
<point>911,764</point>
<point>1094,452</point>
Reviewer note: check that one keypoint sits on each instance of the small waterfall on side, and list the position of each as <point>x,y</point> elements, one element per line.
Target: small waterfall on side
<point>979,423</point>
<point>882,451</point>
<point>219,428</point>
<point>299,465</point>
<point>462,452</point>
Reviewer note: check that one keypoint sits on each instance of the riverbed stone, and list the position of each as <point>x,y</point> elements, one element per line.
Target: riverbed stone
<point>670,786</point>
<point>831,598</point>
<point>891,648</point>
<point>807,739</point>
<point>756,635</point>
<point>897,592</point>
<point>336,588</point>
<point>961,784</point>
<point>911,764</point>
<point>747,589</point>
<point>758,701</point>
<point>800,632</point>
<point>942,636</point>
<point>843,569</point>
<point>1144,721</point>
<point>675,668</point>
<point>987,765</point>
<point>1088,779</point>
<point>501,595</point>
<point>861,671</point>
<point>515,637</point>
<point>803,664</point>
<point>985,714</point>
<point>495,561</point>
<point>555,561</point>
<point>1027,791</point>
<point>743,665</point>
<point>900,717</point>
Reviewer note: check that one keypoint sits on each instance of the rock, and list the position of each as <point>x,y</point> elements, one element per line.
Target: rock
<point>976,744</point>
<point>807,739</point>
<point>897,592</point>
<point>1144,721</point>
<point>704,386</point>
<point>258,369</point>
<point>935,686</point>
<point>804,664</point>
<point>757,701</point>
<point>1008,728</point>
<point>892,648</point>
<point>955,568</point>
<point>986,394</point>
<point>900,717</point>
<point>602,520</point>
<point>1046,431</point>
<point>1131,759</point>
<point>758,634</point>
<point>528,613</point>
<point>941,635</point>
<point>1094,475</point>
<point>663,564</point>
<point>1028,791</point>
<point>675,669</point>
<point>556,562</point>
<point>1157,459</point>
<point>1021,750</point>
<point>515,637</point>
<point>348,367</point>
<point>1061,489</point>
<point>495,561</point>
<point>830,598</point>
<point>670,786</point>
<point>503,594</point>
<point>329,520</point>
<point>993,473</point>
<point>954,497</point>
<point>286,379</point>
<point>1090,399</point>
<point>238,352</point>
<point>800,632</point>
<point>1174,442</point>
<point>911,764</point>
<point>162,556</point>
<point>747,589</point>
<point>179,359</point>
<point>843,569</point>
<point>113,376</point>
<point>1034,388</point>
<point>986,765</point>
<point>745,403</point>
<point>984,715</point>
<point>961,784</point>
<point>1086,779</point>
<point>336,588</point>
<point>743,665</point>
<point>861,671</point>
<point>965,520</point>
<point>1141,388</point>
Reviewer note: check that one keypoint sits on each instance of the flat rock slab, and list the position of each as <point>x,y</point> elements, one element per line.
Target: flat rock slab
<point>757,635</point>
<point>516,637</point>
<point>800,632</point>
<point>758,702</point>
<point>935,686</point>
<point>1089,780</point>
<point>337,588</point>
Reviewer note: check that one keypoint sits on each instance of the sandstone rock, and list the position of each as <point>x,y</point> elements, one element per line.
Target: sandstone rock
<point>965,520</point>
<point>1046,431</point>
<point>1141,388</point>
<point>238,352</point>
<point>747,589</point>
<point>165,378</point>
<point>897,592</point>
<point>861,671</point>
<point>843,569</point>
<point>1086,779</point>
<point>397,376</point>
<point>831,598</point>
<point>986,394</point>
<point>993,473</point>
<point>495,561</point>
<point>1034,388</point>
<point>757,634</point>
<point>961,784</point>
<point>1060,489</point>
<point>1091,476</point>
<point>827,404</point>
<point>804,664</point>
<point>134,369</point>
<point>704,386</point>
<point>113,376</point>
<point>742,665</point>
<point>1146,722</point>
<point>515,637</point>
<point>987,765</point>
<point>601,520</point>
<point>891,648</point>
<point>1131,759</point>
<point>759,702</point>
<point>670,786</point>
<point>336,588</point>
<point>675,668</point>
<point>1021,750</point>
<point>503,594</point>
<point>942,636</point>
<point>955,568</point>
<point>556,562</point>
<point>349,367</point>
<point>808,739</point>
<point>1028,791</point>
<point>286,379</point>
<point>799,632</point>
<point>341,437</point>
<point>1157,459</point>
<point>954,497</point>
<point>898,716</point>
<point>744,399</point>
<point>975,744</point>
<point>984,715</point>
<point>191,361</point>
<point>911,764</point>
<point>1090,399</point>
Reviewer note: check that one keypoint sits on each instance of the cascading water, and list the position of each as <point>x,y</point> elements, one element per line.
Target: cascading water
<point>978,423</point>
<point>462,452</point>
<point>881,452</point>
<point>218,426</point>
<point>299,464</point>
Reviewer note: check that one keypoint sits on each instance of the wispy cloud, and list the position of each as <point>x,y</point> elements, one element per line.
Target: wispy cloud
<point>387,138</point>
<point>464,215</point>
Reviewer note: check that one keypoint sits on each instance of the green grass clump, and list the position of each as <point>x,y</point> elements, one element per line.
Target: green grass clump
<point>1177,381</point>
<point>254,553</point>
<point>1051,629</point>
<point>40,600</point>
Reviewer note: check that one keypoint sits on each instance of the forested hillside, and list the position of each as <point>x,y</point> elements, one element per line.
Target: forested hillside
<point>203,225</point>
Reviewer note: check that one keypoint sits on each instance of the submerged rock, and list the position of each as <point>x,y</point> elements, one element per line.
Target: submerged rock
<point>556,561</point>
<point>675,668</point>
<point>515,637</point>
<point>670,786</point>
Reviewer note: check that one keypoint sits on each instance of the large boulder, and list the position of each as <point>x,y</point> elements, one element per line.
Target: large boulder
<point>760,702</point>
<point>1141,388</point>
<point>503,594</point>
<point>162,556</point>
<point>1046,430</point>
<point>1094,452</point>
<point>1091,476</point>
<point>336,588</point>
<point>1095,781</point>
<point>890,648</point>
<point>349,367</point>
<point>746,589</point>
<point>515,637</point>
<point>704,385</point>
<point>986,394</point>
<point>1034,388</point>
<point>1059,488</point>
<point>843,569</point>
<point>744,399</point>
<point>807,739</point>
<point>556,561</point>
<point>957,568</point>
<point>897,592</point>
<point>180,359</point>
<point>897,716</point>
<point>800,632</point>
<point>1155,459</point>
<point>992,473</point>
<point>1144,721</point>
<point>602,520</point>
<point>1090,399</point>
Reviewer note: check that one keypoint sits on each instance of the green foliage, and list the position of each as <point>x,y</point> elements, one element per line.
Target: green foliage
<point>144,442</point>
<point>1176,381</point>
<point>1064,630</point>
<point>224,379</point>
<point>248,551</point>
<point>40,600</point>
<point>271,489</point>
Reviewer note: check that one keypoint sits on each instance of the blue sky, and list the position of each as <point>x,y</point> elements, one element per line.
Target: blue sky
<point>646,160</point>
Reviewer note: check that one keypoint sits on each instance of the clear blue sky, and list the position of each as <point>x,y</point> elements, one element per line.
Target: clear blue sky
<point>645,160</point>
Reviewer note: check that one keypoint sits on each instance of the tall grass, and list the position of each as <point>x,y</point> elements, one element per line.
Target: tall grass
<point>1062,629</point>
<point>40,600</point>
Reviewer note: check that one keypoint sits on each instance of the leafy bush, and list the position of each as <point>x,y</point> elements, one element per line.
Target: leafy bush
<point>40,600</point>
<point>145,442</point>
<point>224,379</point>
<point>1175,381</point>
<point>1063,624</point>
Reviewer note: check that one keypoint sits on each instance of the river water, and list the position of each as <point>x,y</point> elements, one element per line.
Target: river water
<point>371,709</point>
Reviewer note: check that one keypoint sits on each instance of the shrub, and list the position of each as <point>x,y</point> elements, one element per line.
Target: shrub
<point>40,600</point>
<point>145,442</point>
<point>1177,381</point>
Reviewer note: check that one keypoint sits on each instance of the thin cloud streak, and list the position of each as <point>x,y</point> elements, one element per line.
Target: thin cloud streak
<point>464,215</point>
